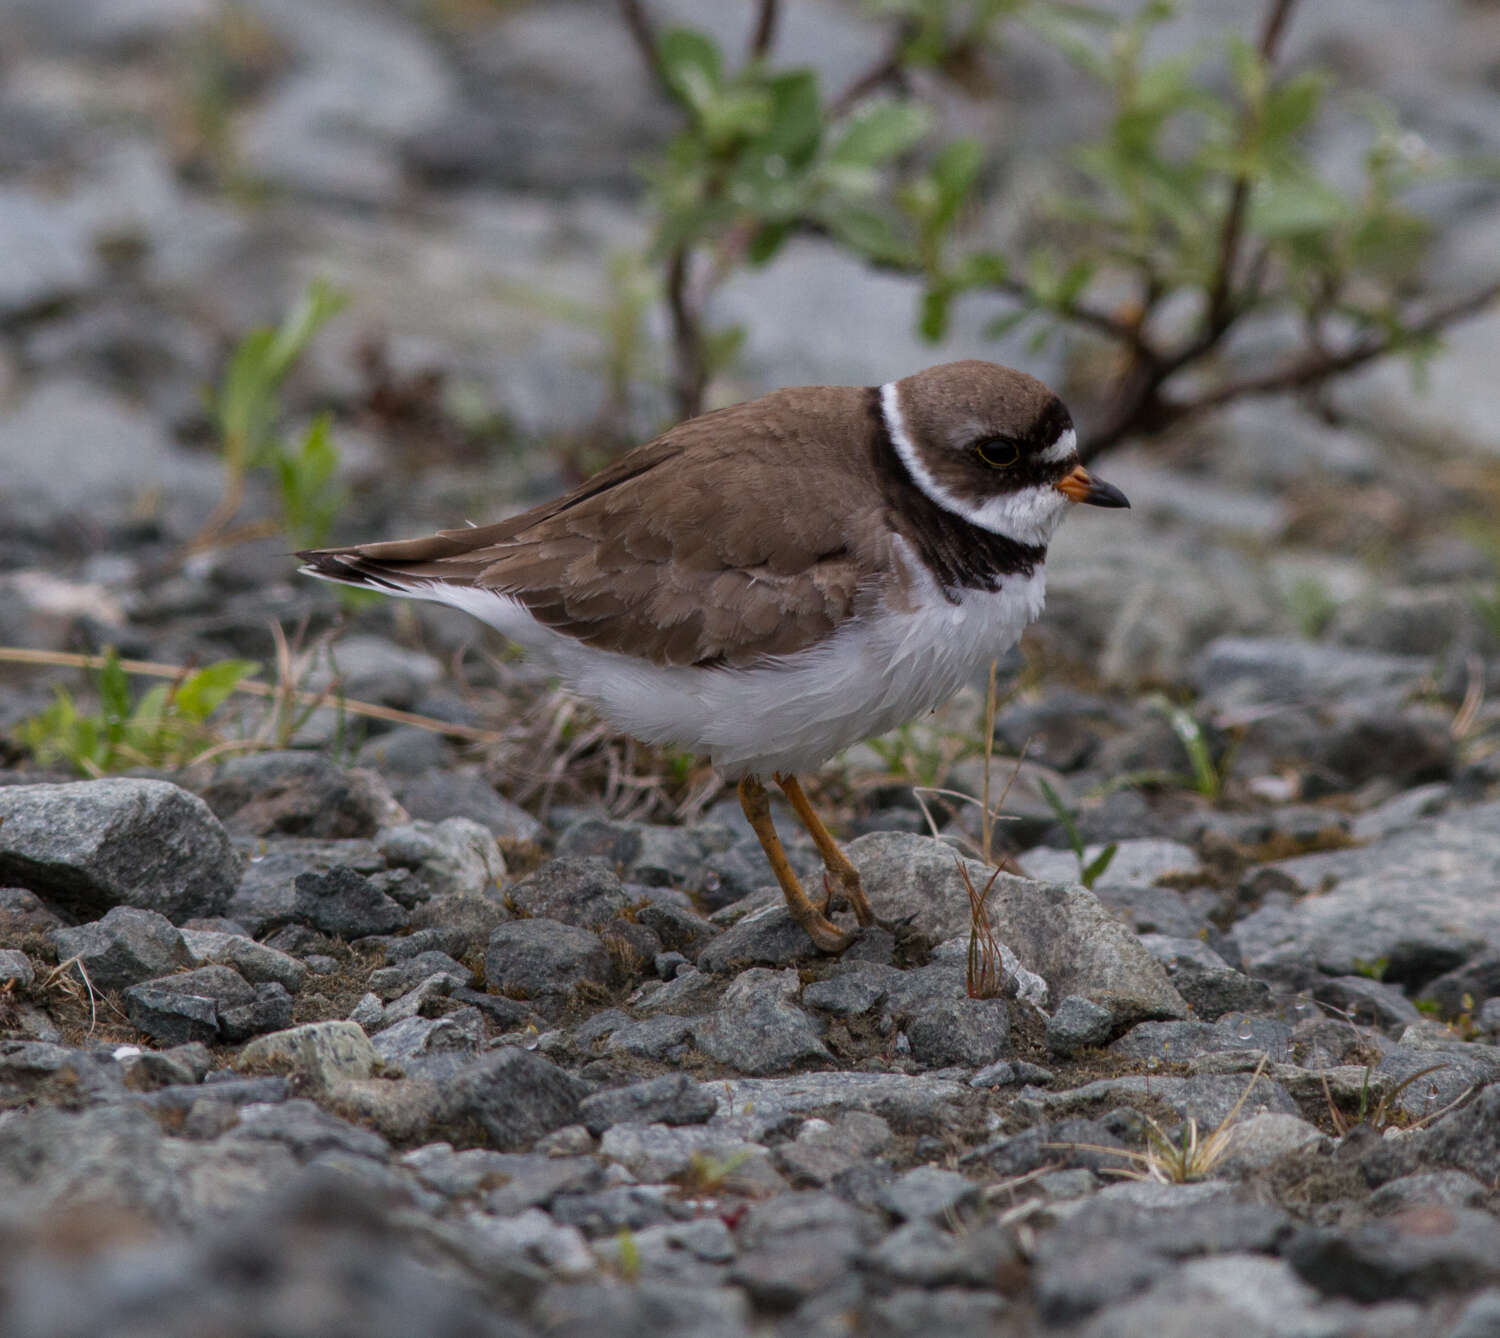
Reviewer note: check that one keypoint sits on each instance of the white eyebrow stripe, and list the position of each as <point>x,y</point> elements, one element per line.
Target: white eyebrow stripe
<point>1028,516</point>
<point>1064,448</point>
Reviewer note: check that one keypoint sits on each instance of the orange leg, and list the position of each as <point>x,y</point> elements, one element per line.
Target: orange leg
<point>834,860</point>
<point>825,935</point>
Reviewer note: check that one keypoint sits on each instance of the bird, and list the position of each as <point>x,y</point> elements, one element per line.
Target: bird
<point>772,582</point>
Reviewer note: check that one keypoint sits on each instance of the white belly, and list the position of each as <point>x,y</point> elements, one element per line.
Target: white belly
<point>792,715</point>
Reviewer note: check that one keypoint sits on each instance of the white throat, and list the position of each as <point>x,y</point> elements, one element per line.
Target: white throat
<point>1028,515</point>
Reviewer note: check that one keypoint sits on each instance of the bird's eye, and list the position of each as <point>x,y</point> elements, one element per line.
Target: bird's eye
<point>997,452</point>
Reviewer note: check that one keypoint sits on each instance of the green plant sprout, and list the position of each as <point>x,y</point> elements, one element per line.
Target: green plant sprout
<point>166,727</point>
<point>1090,871</point>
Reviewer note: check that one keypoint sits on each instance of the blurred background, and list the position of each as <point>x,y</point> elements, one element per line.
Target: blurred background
<point>274,274</point>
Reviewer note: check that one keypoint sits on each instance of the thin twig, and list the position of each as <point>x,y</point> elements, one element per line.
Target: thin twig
<point>765,29</point>
<point>1220,311</point>
<point>638,24</point>
<point>888,68</point>
<point>253,687</point>
<point>690,366</point>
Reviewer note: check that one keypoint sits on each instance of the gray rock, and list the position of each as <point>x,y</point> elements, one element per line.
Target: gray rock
<point>1078,1024</point>
<point>578,891</point>
<point>1419,1253</point>
<point>267,896</point>
<point>91,845</point>
<point>1136,863</point>
<point>1452,1189</point>
<point>431,1047</point>
<point>758,1029</point>
<point>16,969</point>
<point>1469,1137</point>
<point>270,1010</point>
<point>127,946</point>
<point>298,794</point>
<point>679,929</point>
<point>941,1310</point>
<point>439,794</point>
<point>665,1038</point>
<point>345,904</point>
<point>765,937</point>
<point>1419,901</point>
<point>72,450</point>
<point>1476,981</point>
<point>693,991</point>
<point>544,961</point>
<point>1118,1248</point>
<point>453,858</point>
<point>658,1152</point>
<point>942,1024</point>
<point>48,254</point>
<point>907,1102</point>
<point>361,83</point>
<point>172,1017</point>
<point>1404,750</point>
<point>651,855</point>
<point>824,1150</point>
<point>391,981</point>
<point>644,1310</point>
<point>1062,932</point>
<point>510,1098</point>
<point>256,962</point>
<point>1266,671</point>
<point>674,1098</point>
<point>416,754</point>
<point>1265,1138</point>
<point>928,1193</point>
<point>321,1052</point>
<point>851,992</point>
<point>921,1254</point>
<point>1369,1003</point>
<point>1480,1317</point>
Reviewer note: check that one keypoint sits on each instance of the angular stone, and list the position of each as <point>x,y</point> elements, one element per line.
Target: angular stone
<point>295,793</point>
<point>1061,931</point>
<point>321,1052</point>
<point>16,968</point>
<point>127,946</point>
<point>92,845</point>
<point>256,962</point>
<point>438,794</point>
<point>343,903</point>
<point>270,1010</point>
<point>1420,901</point>
<point>758,1029</point>
<point>584,892</point>
<point>544,960</point>
<point>1419,1253</point>
<point>172,1017</point>
<point>453,858</point>
<point>673,1098</point>
<point>767,937</point>
<point>929,1193</point>
<point>1078,1024</point>
<point>510,1098</point>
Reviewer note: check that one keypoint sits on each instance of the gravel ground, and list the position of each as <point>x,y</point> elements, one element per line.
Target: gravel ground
<point>383,1033</point>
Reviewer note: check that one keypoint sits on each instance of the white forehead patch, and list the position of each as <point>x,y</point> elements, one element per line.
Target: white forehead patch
<point>1029,515</point>
<point>1064,448</point>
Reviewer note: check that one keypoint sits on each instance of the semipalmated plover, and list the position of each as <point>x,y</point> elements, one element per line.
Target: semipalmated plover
<point>775,581</point>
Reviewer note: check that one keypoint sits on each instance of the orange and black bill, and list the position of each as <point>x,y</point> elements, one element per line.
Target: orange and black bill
<point>1078,485</point>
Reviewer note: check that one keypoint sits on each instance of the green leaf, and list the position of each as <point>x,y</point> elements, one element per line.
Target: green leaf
<point>880,132</point>
<point>1288,208</point>
<point>691,65</point>
<point>932,322</point>
<point>1003,325</point>
<point>1094,870</point>
<point>1064,816</point>
<point>796,118</point>
<point>114,691</point>
<point>954,171</point>
<point>766,242</point>
<point>1291,105</point>
<point>203,692</point>
<point>867,231</point>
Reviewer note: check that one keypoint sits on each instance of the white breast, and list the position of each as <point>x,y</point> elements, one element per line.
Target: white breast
<point>791,715</point>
